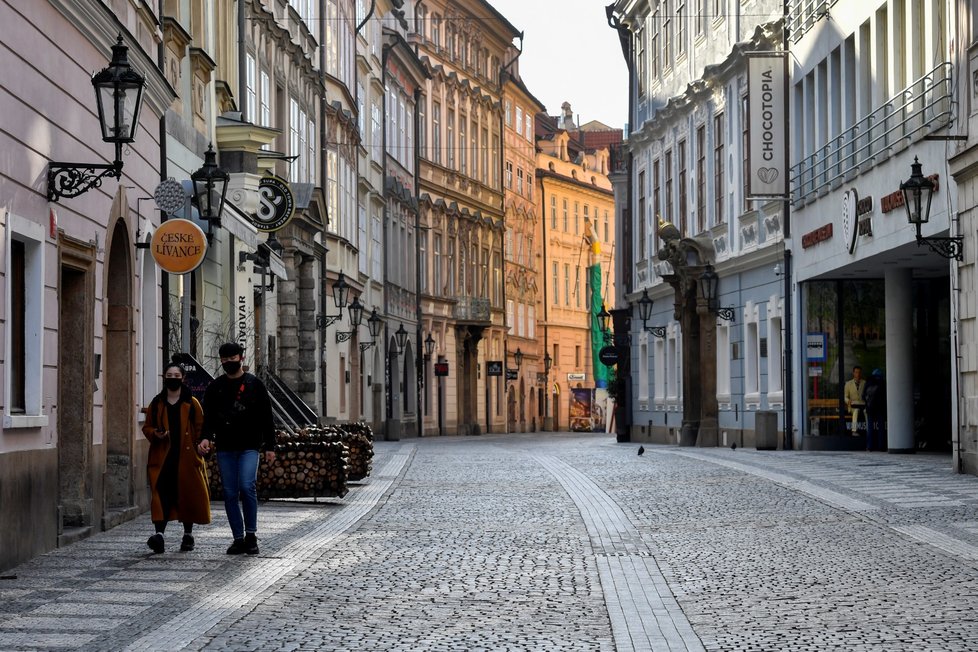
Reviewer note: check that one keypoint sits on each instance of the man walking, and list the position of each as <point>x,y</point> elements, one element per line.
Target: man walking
<point>238,422</point>
<point>854,395</point>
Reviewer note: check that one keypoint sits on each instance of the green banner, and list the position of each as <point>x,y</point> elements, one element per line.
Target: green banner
<point>597,335</point>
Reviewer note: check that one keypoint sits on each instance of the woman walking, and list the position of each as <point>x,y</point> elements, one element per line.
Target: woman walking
<point>177,473</point>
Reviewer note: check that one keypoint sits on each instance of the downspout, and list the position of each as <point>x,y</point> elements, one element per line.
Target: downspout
<point>417,260</point>
<point>242,63</point>
<point>789,394</point>
<point>164,276</point>
<point>385,53</point>
<point>623,400</point>
<point>322,185</point>
<point>546,306</point>
<point>356,95</point>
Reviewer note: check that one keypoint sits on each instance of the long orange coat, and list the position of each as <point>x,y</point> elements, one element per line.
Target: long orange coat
<point>193,498</point>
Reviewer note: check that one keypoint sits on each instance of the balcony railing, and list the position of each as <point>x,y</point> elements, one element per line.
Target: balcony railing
<point>920,109</point>
<point>803,14</point>
<point>471,309</point>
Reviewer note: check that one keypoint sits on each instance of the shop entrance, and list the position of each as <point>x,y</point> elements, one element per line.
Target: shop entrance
<point>846,328</point>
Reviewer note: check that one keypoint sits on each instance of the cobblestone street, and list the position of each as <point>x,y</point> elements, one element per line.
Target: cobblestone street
<point>544,542</point>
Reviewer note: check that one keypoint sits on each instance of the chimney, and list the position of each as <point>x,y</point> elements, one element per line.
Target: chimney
<point>568,121</point>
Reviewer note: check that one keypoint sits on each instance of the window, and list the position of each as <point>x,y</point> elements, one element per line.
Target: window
<point>497,279</point>
<point>667,213</point>
<point>667,27</point>
<point>509,174</point>
<point>642,61</point>
<point>529,127</point>
<point>577,356</point>
<point>423,260</point>
<point>474,147</point>
<point>251,101</point>
<point>463,121</point>
<point>606,222</point>
<point>640,216</point>
<point>25,323</point>
<point>531,322</point>
<point>680,28</point>
<point>566,223</point>
<point>654,60</point>
<point>656,197</point>
<point>704,17</point>
<point>436,132</point>
<point>643,371</point>
<point>718,216</point>
<point>745,146</point>
<point>510,317</point>
<point>700,178</point>
<point>521,320</point>
<point>723,361</point>
<point>436,30</point>
<point>266,99</point>
<point>577,286</point>
<point>436,265</point>
<point>376,140</point>
<point>519,120</point>
<point>495,166</point>
<point>681,187</point>
<point>509,114</point>
<point>553,212</point>
<point>519,180</point>
<point>556,292</point>
<point>361,112</point>
<point>566,284</point>
<point>422,127</point>
<point>450,139</point>
<point>485,155</point>
<point>577,218</point>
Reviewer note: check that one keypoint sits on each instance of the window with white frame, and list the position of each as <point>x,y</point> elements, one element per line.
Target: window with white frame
<point>376,248</point>
<point>775,345</point>
<point>531,320</point>
<point>659,369</point>
<point>510,316</point>
<point>723,361</point>
<point>521,320</point>
<point>752,356</point>
<point>643,370</point>
<point>519,120</point>
<point>23,361</point>
<point>362,235</point>
<point>436,264</point>
<point>265,101</point>
<point>674,368</point>
<point>251,80</point>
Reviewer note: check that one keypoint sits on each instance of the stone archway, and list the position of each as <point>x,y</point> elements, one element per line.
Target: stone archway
<point>117,375</point>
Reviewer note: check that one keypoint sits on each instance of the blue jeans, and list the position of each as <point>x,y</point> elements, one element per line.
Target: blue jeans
<point>239,475</point>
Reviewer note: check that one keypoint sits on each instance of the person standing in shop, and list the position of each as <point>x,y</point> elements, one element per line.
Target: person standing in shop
<point>855,398</point>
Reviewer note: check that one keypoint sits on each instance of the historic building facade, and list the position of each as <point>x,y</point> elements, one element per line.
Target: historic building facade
<point>524,352</point>
<point>462,211</point>
<point>575,230</point>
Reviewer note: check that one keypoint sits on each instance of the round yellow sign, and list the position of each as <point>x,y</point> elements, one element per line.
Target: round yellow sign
<point>179,246</point>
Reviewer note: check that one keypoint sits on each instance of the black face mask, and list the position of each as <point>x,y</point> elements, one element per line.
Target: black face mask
<point>173,384</point>
<point>231,366</point>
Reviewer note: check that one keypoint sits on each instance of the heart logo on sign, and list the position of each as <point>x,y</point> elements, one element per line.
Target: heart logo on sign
<point>767,175</point>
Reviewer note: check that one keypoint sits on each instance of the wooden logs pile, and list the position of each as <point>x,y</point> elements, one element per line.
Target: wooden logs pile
<point>316,462</point>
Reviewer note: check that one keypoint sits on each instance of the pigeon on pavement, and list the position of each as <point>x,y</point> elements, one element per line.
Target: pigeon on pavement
<point>641,449</point>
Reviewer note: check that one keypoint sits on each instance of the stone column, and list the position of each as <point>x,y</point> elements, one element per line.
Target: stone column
<point>899,361</point>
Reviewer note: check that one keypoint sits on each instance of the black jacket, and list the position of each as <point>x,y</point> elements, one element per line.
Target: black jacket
<point>238,414</point>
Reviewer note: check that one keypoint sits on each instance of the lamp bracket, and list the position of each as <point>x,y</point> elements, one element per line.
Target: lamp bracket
<point>343,336</point>
<point>67,180</point>
<point>946,247</point>
<point>657,331</point>
<point>325,321</point>
<point>366,345</point>
<point>727,314</point>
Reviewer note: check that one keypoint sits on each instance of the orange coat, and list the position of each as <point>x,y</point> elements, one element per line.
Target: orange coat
<point>193,498</point>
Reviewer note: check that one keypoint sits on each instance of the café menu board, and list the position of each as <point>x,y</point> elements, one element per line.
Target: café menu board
<point>195,376</point>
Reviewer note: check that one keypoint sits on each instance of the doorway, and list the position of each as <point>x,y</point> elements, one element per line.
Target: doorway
<point>76,311</point>
<point>118,371</point>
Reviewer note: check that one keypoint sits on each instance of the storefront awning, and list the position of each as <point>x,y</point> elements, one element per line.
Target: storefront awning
<point>275,263</point>
<point>237,224</point>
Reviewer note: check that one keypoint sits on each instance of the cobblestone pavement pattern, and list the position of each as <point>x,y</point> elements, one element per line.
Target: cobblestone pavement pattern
<point>544,542</point>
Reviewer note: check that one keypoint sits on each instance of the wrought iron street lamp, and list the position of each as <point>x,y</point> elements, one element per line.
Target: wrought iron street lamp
<point>118,96</point>
<point>210,184</point>
<point>518,357</point>
<point>429,346</point>
<point>547,362</point>
<point>645,312</point>
<point>356,317</point>
<point>400,339</point>
<point>374,324</point>
<point>709,286</point>
<point>341,290</point>
<point>918,191</point>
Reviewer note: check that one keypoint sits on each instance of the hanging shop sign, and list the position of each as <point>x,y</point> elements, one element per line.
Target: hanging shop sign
<point>849,233</point>
<point>276,204</point>
<point>178,246</point>
<point>494,368</point>
<point>767,104</point>
<point>441,368</point>
<point>608,355</point>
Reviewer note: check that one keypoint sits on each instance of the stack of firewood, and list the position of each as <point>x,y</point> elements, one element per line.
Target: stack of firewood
<point>315,462</point>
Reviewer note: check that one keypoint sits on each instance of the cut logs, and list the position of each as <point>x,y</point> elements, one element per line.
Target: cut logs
<point>316,462</point>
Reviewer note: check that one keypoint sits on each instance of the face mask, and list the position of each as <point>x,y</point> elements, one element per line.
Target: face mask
<point>173,384</point>
<point>231,366</point>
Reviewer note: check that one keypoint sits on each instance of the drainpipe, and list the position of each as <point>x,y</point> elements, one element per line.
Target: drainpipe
<point>242,63</point>
<point>322,186</point>
<point>390,375</point>
<point>546,310</point>
<point>419,351</point>
<point>164,277</point>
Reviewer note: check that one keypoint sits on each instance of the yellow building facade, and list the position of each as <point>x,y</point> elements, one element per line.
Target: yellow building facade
<point>576,232</point>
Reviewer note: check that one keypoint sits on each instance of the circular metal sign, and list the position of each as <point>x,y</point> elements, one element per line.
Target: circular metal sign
<point>178,246</point>
<point>170,196</point>
<point>276,205</point>
<point>849,230</point>
<point>608,355</point>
